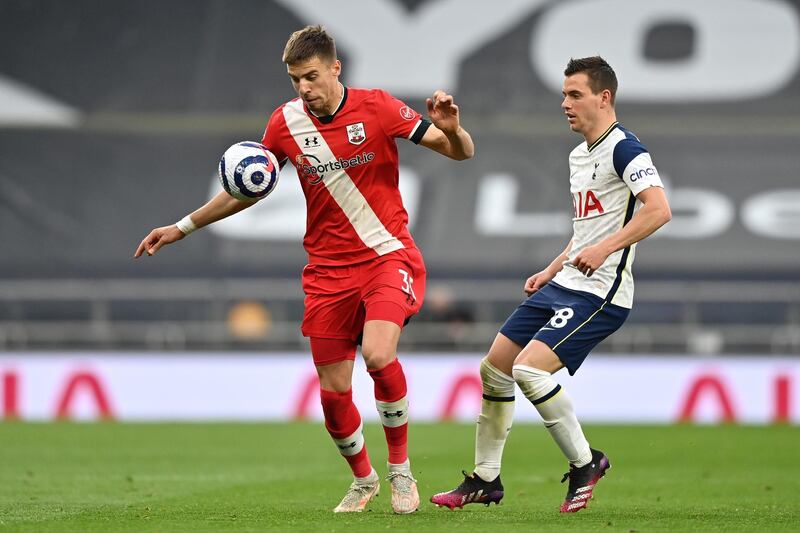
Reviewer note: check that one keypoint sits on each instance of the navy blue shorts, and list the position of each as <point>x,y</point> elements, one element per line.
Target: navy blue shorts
<point>570,322</point>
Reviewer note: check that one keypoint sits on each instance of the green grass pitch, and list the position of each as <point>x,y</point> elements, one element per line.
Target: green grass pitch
<point>287,477</point>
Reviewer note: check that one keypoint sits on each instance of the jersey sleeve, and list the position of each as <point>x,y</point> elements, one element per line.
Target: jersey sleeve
<point>399,120</point>
<point>633,164</point>
<point>270,137</point>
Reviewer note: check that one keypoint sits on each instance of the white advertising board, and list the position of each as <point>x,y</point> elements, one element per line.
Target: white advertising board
<point>279,387</point>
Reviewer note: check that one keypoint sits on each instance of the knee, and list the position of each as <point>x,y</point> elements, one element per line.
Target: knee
<point>521,371</point>
<point>376,356</point>
<point>495,382</point>
<point>533,382</point>
<point>334,379</point>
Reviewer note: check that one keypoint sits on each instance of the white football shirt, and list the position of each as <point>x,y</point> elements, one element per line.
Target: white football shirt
<point>604,181</point>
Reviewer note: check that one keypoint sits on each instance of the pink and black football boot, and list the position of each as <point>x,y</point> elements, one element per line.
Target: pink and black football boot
<point>582,481</point>
<point>472,490</point>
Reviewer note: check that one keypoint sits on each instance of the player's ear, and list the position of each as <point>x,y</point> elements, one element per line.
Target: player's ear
<point>606,98</point>
<point>336,67</point>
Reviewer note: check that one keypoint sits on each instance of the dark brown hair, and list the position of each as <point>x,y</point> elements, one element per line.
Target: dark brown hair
<point>601,75</point>
<point>311,41</point>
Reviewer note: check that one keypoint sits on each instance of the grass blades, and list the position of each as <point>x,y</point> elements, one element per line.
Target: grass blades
<point>287,477</point>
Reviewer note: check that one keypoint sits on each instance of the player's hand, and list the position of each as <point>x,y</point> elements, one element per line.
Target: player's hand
<point>590,259</point>
<point>537,281</point>
<point>443,112</point>
<point>158,238</point>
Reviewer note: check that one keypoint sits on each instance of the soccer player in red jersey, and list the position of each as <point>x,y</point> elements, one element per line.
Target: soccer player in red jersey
<point>365,276</point>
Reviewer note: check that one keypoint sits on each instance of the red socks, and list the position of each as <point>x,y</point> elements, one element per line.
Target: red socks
<point>343,421</point>
<point>344,425</point>
<point>390,398</point>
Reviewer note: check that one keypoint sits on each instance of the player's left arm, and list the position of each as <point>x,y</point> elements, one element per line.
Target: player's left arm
<point>445,135</point>
<point>653,214</point>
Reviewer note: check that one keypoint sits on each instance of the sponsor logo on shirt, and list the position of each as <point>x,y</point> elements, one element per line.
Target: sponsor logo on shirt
<point>586,204</point>
<point>642,173</point>
<point>314,170</point>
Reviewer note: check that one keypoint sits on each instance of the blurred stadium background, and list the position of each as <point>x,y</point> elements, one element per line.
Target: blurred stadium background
<point>113,116</point>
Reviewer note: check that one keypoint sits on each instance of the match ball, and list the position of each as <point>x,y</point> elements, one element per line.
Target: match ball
<point>248,171</point>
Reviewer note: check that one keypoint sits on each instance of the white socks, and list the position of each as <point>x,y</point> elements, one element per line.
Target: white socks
<point>370,479</point>
<point>494,421</point>
<point>402,467</point>
<point>497,414</point>
<point>556,411</point>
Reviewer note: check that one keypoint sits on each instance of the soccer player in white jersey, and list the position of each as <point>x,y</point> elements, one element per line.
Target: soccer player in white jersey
<point>365,275</point>
<point>582,297</point>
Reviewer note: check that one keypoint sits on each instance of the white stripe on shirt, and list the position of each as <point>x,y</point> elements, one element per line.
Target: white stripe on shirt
<point>341,187</point>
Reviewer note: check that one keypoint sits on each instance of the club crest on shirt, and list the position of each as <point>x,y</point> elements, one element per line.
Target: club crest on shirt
<point>356,133</point>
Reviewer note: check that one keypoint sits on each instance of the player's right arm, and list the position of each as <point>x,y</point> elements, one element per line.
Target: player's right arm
<point>221,206</point>
<point>538,280</point>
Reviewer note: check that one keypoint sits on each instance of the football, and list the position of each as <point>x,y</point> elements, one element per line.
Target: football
<point>248,171</point>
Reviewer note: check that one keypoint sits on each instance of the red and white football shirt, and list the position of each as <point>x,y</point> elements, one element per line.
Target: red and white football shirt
<point>348,168</point>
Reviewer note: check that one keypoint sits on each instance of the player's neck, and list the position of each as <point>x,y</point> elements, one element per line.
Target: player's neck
<point>337,97</point>
<point>599,129</point>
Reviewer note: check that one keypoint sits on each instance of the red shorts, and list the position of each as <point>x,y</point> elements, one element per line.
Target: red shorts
<point>340,299</point>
